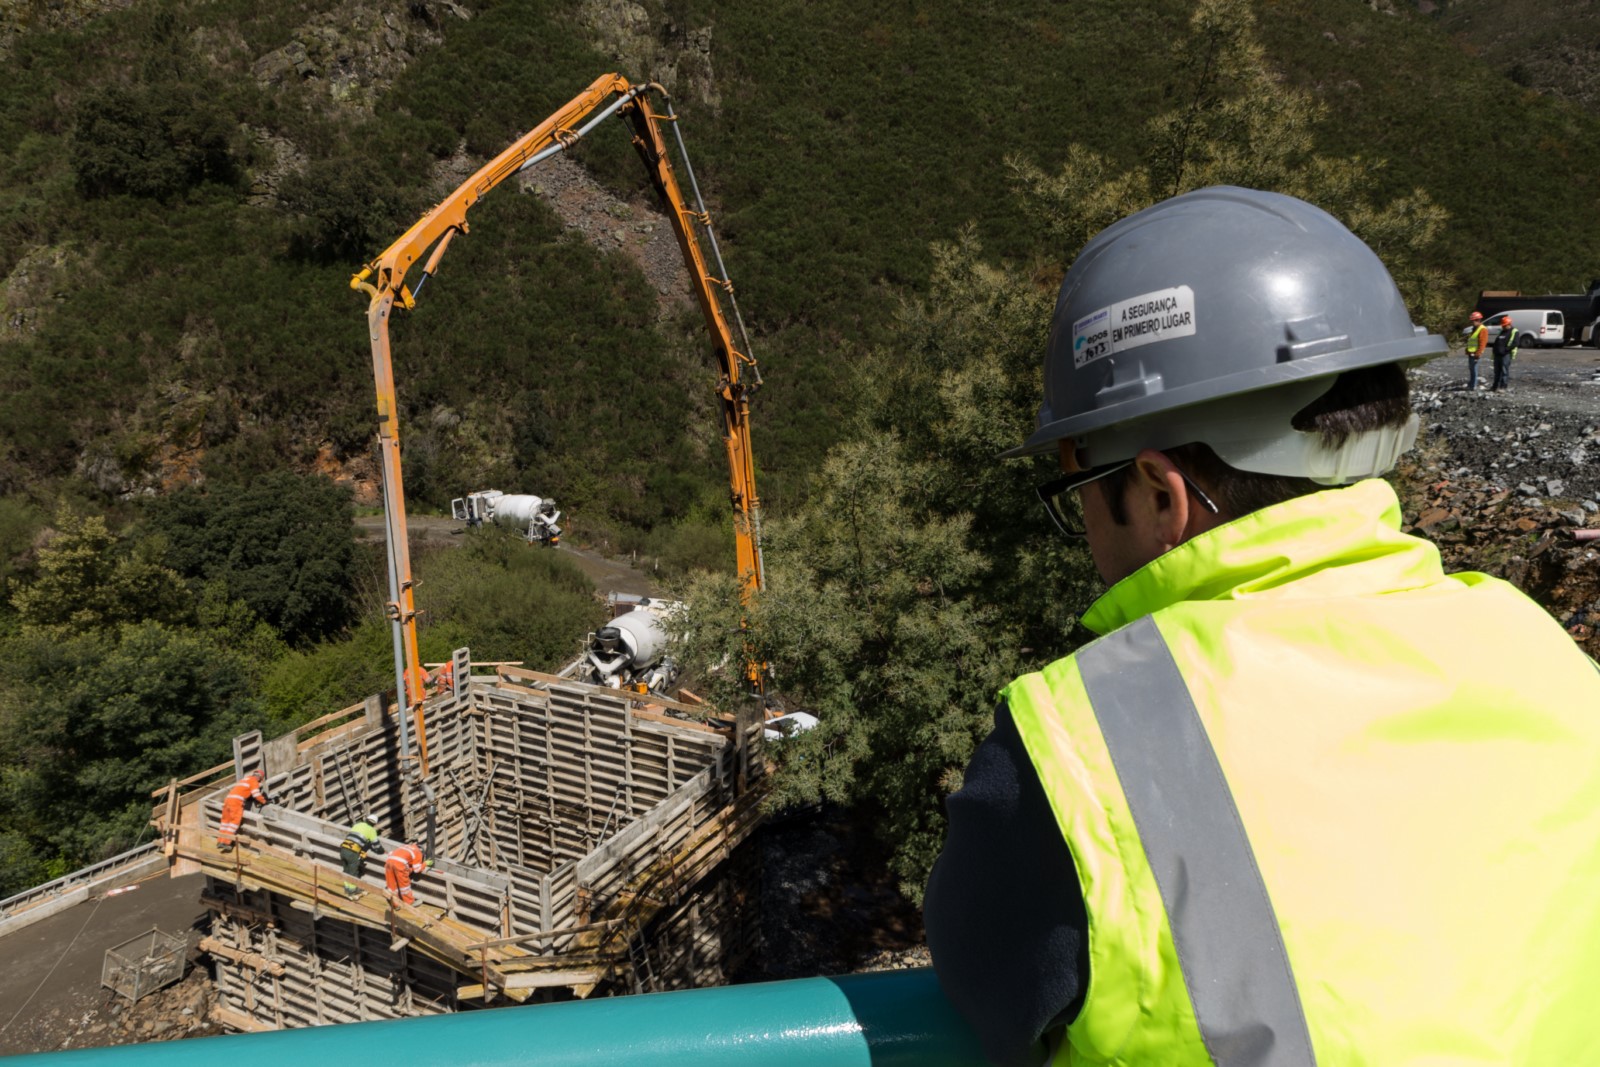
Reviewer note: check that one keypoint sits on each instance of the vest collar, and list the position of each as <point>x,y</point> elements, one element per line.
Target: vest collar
<point>1344,541</point>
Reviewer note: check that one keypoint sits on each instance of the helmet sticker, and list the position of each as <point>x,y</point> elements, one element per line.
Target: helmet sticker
<point>1158,316</point>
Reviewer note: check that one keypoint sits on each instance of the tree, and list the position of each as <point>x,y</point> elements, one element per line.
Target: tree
<point>90,580</point>
<point>872,618</point>
<point>919,576</point>
<point>283,544</point>
<point>1238,122</point>
<point>344,211</point>
<point>153,141</point>
<point>95,722</point>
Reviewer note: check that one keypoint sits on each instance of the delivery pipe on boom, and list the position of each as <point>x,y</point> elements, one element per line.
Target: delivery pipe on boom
<point>401,608</point>
<point>399,659</point>
<point>704,216</point>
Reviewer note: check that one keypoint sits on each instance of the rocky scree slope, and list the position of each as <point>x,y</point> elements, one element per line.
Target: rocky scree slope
<point>1502,482</point>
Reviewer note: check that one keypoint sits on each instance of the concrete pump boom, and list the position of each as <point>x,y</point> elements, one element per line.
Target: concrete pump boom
<point>384,279</point>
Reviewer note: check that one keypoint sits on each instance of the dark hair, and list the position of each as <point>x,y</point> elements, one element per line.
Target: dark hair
<point>1371,398</point>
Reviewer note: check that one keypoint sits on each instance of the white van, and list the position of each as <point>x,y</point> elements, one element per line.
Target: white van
<point>1538,326</point>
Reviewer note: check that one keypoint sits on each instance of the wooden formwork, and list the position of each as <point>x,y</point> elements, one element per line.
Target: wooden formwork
<point>571,764</point>
<point>582,839</point>
<point>707,936</point>
<point>277,966</point>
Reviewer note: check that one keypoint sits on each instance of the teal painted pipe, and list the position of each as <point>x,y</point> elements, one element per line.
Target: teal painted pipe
<point>883,1019</point>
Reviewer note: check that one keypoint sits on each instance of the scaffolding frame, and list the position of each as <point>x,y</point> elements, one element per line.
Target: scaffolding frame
<point>583,847</point>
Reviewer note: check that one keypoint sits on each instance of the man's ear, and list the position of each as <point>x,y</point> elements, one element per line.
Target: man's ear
<point>1163,499</point>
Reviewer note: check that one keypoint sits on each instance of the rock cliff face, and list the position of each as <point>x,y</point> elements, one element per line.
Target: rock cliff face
<point>32,289</point>
<point>1550,48</point>
<point>356,51</point>
<point>649,46</point>
<point>637,230</point>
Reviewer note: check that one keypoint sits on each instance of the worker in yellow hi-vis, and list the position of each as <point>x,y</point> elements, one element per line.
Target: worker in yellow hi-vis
<point>1477,339</point>
<point>362,838</point>
<point>1285,810</point>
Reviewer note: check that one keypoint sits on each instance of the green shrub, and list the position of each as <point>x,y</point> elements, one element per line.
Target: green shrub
<point>152,141</point>
<point>284,544</point>
<point>694,544</point>
<point>335,674</point>
<point>346,209</point>
<point>506,600</point>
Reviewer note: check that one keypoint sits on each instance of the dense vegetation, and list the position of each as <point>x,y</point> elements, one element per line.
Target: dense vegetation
<point>186,186</point>
<point>132,658</point>
<point>180,208</point>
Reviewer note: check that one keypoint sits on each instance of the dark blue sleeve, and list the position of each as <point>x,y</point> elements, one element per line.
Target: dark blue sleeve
<point>1003,911</point>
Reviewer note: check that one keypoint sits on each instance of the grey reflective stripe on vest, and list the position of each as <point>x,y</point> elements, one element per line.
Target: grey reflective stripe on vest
<point>1226,933</point>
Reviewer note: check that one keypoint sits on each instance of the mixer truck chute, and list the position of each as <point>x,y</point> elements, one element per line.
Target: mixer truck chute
<point>384,280</point>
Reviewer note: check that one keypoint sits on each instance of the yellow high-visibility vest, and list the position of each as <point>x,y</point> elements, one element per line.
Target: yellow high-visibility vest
<point>1476,337</point>
<point>1327,804</point>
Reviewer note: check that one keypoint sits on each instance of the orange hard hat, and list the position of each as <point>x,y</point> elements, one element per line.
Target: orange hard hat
<point>1505,320</point>
<point>1476,316</point>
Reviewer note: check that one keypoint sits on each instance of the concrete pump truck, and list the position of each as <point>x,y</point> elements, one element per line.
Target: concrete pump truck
<point>384,280</point>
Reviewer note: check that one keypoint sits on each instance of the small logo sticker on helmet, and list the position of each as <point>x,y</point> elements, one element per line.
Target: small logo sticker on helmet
<point>1091,337</point>
<point>1158,316</point>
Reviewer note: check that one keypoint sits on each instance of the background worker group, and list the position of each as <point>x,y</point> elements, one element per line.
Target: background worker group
<point>1506,343</point>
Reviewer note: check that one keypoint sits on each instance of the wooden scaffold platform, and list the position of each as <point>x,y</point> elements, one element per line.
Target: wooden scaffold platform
<point>585,841</point>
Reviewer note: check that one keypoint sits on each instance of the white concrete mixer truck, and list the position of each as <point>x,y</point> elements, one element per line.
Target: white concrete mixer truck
<point>536,517</point>
<point>630,651</point>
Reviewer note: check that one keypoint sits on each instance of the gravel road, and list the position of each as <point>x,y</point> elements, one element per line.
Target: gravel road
<point>1540,438</point>
<point>608,575</point>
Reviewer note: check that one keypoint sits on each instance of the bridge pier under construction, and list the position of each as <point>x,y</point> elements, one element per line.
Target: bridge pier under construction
<point>585,840</point>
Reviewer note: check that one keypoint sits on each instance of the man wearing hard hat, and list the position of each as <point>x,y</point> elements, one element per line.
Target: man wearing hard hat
<point>1285,810</point>
<point>1477,338</point>
<point>1506,343</point>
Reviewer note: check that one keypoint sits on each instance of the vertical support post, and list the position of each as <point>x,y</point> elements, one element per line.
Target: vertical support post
<point>748,717</point>
<point>169,829</point>
<point>401,608</point>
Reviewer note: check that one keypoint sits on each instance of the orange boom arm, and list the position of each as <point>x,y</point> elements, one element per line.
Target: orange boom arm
<point>384,280</point>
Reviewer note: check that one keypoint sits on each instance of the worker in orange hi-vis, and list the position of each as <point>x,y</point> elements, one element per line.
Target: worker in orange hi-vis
<point>245,791</point>
<point>444,679</point>
<point>398,868</point>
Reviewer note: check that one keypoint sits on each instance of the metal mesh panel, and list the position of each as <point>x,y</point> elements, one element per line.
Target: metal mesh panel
<point>143,964</point>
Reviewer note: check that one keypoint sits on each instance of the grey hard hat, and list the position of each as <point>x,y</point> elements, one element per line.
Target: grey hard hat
<point>1215,316</point>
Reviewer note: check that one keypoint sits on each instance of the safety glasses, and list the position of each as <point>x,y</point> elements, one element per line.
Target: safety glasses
<point>1065,508</point>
